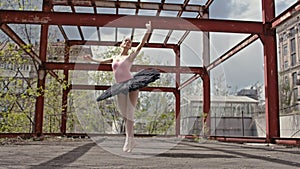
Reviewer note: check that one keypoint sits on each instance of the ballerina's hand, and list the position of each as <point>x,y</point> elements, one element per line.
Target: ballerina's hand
<point>148,26</point>
<point>87,57</point>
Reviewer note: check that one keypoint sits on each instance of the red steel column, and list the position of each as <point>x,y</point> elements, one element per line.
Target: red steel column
<point>63,127</point>
<point>271,73</point>
<point>177,92</point>
<point>206,79</point>
<point>39,106</point>
<point>206,105</point>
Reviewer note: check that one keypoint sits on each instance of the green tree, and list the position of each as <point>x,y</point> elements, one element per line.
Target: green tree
<point>17,95</point>
<point>285,93</point>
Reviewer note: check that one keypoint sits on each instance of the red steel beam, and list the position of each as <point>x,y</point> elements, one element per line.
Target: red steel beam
<point>41,83</point>
<point>107,67</point>
<point>208,3</point>
<point>239,139</point>
<point>177,112</point>
<point>247,41</point>
<point>270,72</point>
<point>177,94</point>
<point>185,3</point>
<point>286,14</point>
<point>285,141</point>
<point>130,5</point>
<point>104,87</point>
<point>206,104</point>
<point>169,23</point>
<point>189,81</point>
<point>12,35</point>
<point>114,43</point>
<point>63,127</point>
<point>288,141</point>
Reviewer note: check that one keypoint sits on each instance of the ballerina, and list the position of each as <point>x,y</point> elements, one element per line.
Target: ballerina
<point>121,65</point>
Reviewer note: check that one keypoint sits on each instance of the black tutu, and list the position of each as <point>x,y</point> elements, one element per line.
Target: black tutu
<point>139,80</point>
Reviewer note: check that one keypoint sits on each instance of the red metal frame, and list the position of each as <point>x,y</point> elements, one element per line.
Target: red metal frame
<point>131,21</point>
<point>66,91</point>
<point>271,73</point>
<point>39,106</point>
<point>264,30</point>
<point>285,15</point>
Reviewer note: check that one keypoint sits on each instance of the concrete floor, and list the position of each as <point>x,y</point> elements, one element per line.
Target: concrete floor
<point>153,152</point>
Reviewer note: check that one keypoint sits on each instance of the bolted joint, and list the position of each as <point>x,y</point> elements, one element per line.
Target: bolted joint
<point>267,29</point>
<point>41,72</point>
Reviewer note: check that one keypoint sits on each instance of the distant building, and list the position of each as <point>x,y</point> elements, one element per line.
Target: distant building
<point>226,114</point>
<point>289,62</point>
<point>252,93</point>
<point>56,52</point>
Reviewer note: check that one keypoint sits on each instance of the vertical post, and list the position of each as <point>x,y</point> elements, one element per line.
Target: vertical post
<point>206,43</point>
<point>63,127</point>
<point>39,105</point>
<point>177,112</point>
<point>271,73</point>
<point>206,105</point>
<point>177,93</point>
<point>243,124</point>
<point>206,81</point>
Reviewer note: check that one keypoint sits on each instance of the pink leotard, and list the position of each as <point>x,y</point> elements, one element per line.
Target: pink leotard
<point>121,69</point>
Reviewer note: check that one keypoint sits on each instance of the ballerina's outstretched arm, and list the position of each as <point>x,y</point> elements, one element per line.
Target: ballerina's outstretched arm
<point>89,58</point>
<point>142,43</point>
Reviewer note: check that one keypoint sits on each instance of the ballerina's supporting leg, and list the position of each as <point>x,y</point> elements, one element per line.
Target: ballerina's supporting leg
<point>127,104</point>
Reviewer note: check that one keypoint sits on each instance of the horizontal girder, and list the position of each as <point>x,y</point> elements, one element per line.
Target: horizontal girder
<point>122,21</point>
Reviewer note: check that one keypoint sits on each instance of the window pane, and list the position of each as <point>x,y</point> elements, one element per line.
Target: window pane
<point>294,78</point>
<point>293,59</point>
<point>293,45</point>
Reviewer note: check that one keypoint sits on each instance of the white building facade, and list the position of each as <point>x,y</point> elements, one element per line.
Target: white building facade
<point>289,64</point>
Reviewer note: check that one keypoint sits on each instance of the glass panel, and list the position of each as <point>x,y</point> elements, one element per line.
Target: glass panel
<point>293,45</point>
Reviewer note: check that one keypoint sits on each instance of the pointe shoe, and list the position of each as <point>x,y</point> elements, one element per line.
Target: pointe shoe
<point>129,145</point>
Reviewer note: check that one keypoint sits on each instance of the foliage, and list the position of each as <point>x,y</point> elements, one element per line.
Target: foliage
<point>285,96</point>
<point>156,109</point>
<point>20,4</point>
<point>17,95</point>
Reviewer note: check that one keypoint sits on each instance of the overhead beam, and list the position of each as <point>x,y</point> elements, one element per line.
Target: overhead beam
<point>106,20</point>
<point>178,15</point>
<point>104,87</point>
<point>130,5</point>
<point>208,3</point>
<point>286,14</point>
<point>189,81</point>
<point>12,35</point>
<point>107,67</point>
<point>114,43</point>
